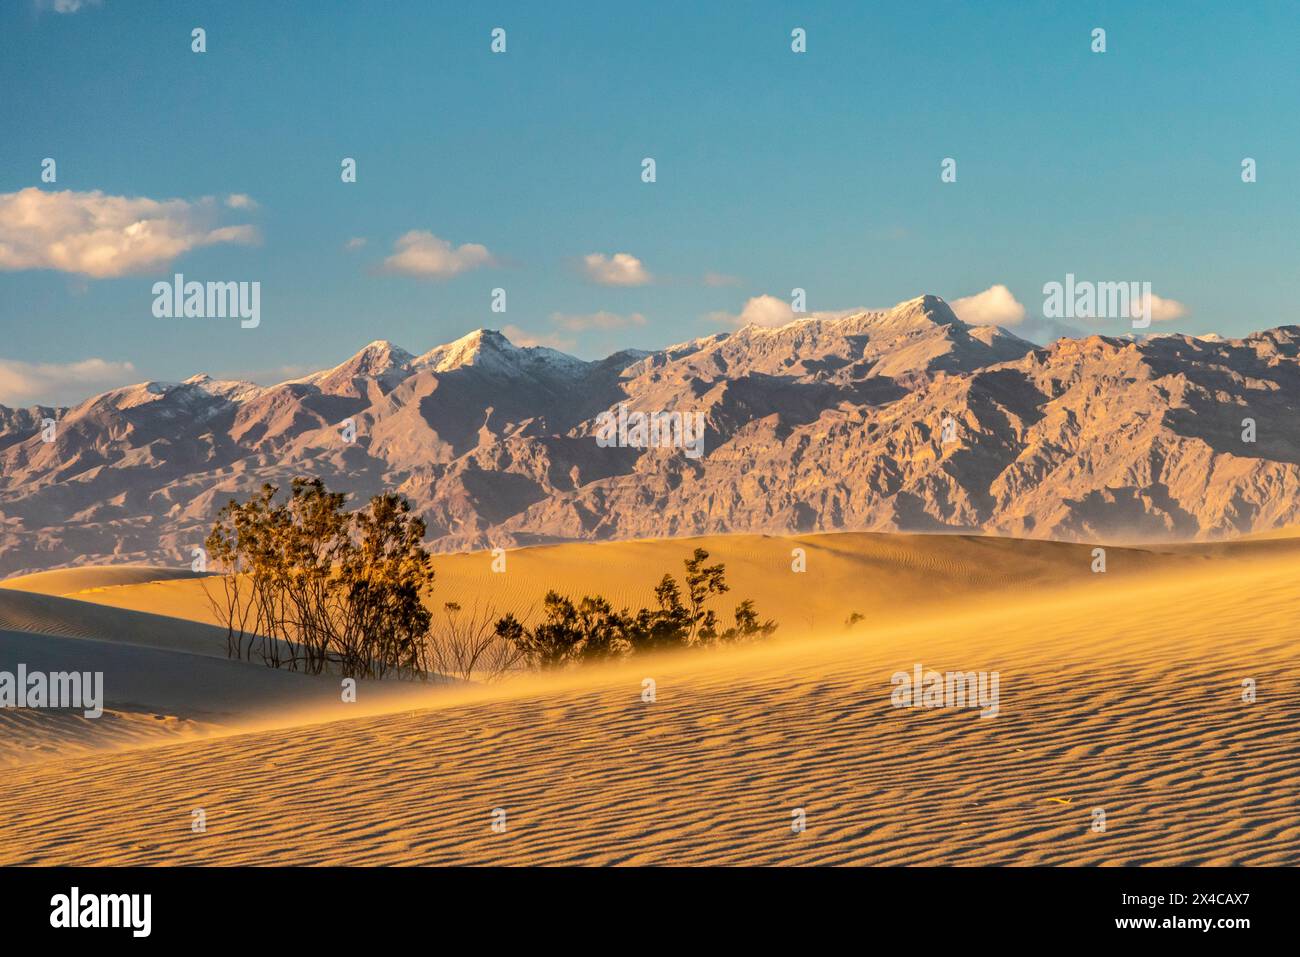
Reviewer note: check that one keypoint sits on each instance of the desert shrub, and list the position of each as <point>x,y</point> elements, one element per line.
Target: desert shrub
<point>465,644</point>
<point>305,584</point>
<point>593,630</point>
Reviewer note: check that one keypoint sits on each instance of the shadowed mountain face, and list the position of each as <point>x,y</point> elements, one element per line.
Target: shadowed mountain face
<point>906,419</point>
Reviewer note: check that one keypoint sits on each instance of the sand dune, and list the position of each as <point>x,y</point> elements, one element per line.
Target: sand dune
<point>69,581</point>
<point>163,678</point>
<point>882,576</point>
<point>1120,691</point>
<point>74,618</point>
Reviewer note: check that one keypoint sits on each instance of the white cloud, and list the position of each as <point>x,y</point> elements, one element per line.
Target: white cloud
<point>621,269</point>
<point>420,253</point>
<point>49,383</point>
<point>1162,310</point>
<point>241,201</point>
<point>763,310</point>
<point>521,337</point>
<point>770,312</point>
<point>597,320</point>
<point>356,242</point>
<point>995,306</point>
<point>101,236</point>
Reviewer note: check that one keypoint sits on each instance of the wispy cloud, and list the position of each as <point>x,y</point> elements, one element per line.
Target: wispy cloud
<point>522,337</point>
<point>995,306</point>
<point>355,243</point>
<point>620,269</point>
<point>66,6</point>
<point>420,253</point>
<point>270,376</point>
<point>51,383</point>
<point>597,320</point>
<point>720,279</point>
<point>101,236</point>
<point>241,201</point>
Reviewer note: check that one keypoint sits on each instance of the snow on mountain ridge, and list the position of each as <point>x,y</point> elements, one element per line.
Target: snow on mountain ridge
<point>825,423</point>
<point>489,350</point>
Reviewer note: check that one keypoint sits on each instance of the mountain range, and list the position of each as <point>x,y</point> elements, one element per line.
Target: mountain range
<point>903,419</point>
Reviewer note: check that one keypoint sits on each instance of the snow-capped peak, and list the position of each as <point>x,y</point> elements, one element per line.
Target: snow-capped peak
<point>490,351</point>
<point>379,359</point>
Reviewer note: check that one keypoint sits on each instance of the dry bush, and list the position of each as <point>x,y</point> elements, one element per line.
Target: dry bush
<point>306,585</point>
<point>464,644</point>
<point>592,630</point>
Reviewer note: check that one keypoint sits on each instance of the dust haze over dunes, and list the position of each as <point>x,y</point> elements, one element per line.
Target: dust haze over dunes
<point>905,419</point>
<point>164,676</point>
<point>1120,691</point>
<point>883,576</point>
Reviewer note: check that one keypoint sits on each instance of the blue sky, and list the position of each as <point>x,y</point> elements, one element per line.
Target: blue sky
<point>774,169</point>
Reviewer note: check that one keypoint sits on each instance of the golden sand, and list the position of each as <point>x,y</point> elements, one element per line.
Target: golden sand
<point>1120,692</point>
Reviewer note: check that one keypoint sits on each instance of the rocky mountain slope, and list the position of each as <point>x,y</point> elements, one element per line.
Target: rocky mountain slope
<point>906,419</point>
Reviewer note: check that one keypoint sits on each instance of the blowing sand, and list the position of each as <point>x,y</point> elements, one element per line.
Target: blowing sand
<point>1120,692</point>
<point>887,577</point>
